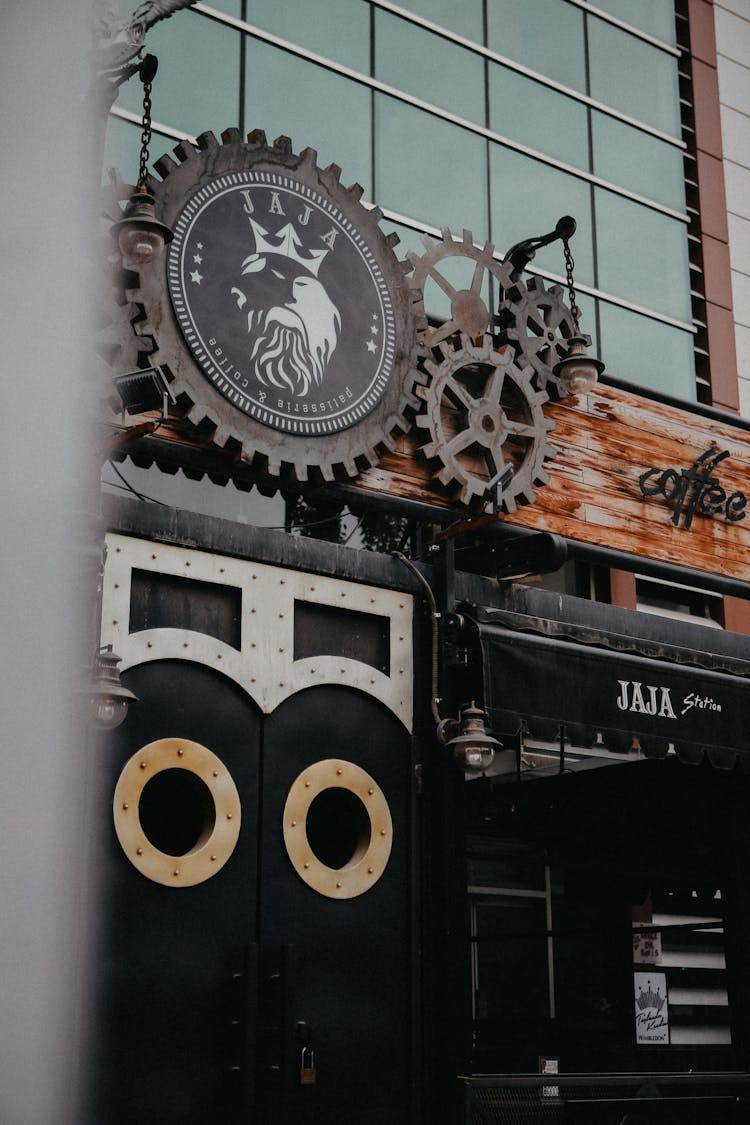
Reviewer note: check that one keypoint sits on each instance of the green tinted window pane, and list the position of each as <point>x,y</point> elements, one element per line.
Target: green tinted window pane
<point>642,256</point>
<point>527,198</point>
<point>450,276</point>
<point>336,29</point>
<point>428,67</point>
<point>464,19</point>
<point>655,17</point>
<point>587,318</point>
<point>538,117</point>
<point>544,35</point>
<point>428,169</point>
<point>197,86</point>
<point>634,77</point>
<point>647,352</point>
<point>122,149</point>
<point>409,240</point>
<point>454,271</point>
<point>635,160</point>
<point>340,133</point>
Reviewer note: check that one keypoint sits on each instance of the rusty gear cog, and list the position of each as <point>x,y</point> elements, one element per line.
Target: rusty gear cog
<point>275,436</point>
<point>482,417</point>
<point>537,323</point>
<point>470,313</point>
<point>115,318</point>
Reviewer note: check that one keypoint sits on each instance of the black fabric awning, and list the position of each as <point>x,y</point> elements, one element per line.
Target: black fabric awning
<point>613,692</point>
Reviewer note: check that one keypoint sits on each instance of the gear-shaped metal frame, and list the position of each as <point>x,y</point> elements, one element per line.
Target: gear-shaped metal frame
<point>538,324</point>
<point>469,312</point>
<point>482,416</point>
<point>345,453</point>
<point>116,339</point>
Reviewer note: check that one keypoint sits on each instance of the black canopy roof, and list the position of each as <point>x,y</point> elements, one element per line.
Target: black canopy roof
<point>612,690</point>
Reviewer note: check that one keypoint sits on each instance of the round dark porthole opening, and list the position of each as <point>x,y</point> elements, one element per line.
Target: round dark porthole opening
<point>338,828</point>
<point>176,811</point>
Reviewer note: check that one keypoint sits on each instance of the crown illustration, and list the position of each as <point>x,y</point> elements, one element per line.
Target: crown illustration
<point>650,999</point>
<point>287,243</point>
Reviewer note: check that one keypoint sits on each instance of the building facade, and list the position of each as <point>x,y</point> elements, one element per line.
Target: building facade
<point>436,782</point>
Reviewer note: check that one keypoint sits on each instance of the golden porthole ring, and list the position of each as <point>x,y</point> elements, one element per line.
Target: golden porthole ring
<point>337,796</point>
<point>175,796</point>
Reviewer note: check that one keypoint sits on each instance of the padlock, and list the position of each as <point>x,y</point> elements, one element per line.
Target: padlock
<point>307,1073</point>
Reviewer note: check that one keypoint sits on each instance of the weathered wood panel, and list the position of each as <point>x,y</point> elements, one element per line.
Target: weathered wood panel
<point>603,443</point>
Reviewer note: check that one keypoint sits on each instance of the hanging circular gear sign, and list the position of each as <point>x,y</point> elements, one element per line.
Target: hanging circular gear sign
<point>291,329</point>
<point>282,302</point>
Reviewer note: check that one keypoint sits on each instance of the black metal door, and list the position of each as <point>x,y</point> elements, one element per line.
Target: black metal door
<point>343,964</point>
<point>173,1025</point>
<point>209,993</point>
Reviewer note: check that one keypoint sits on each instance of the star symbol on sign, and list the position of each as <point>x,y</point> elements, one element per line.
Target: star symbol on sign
<point>371,345</point>
<point>196,277</point>
<point>374,329</point>
<point>197,259</point>
<point>199,245</point>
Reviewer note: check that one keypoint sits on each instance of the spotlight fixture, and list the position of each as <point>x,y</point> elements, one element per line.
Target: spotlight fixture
<point>144,390</point>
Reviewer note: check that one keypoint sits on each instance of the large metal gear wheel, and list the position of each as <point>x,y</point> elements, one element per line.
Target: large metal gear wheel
<point>483,416</point>
<point>195,174</point>
<point>538,323</point>
<point>470,312</point>
<point>115,318</point>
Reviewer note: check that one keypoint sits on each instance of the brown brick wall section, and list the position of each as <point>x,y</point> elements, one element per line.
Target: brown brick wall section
<point>712,196</point>
<point>702,35</point>
<point>714,233</point>
<point>737,615</point>
<point>622,588</point>
<point>724,382</point>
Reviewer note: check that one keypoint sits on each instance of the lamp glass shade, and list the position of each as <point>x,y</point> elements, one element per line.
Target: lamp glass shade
<point>109,698</point>
<point>139,246</point>
<point>140,235</point>
<point>108,711</point>
<point>578,371</point>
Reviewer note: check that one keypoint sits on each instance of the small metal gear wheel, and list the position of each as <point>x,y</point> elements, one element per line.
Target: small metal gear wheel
<point>469,311</point>
<point>483,416</point>
<point>538,323</point>
<point>283,316</point>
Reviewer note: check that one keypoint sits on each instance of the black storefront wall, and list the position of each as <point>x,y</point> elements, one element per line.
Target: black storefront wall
<point>610,695</point>
<point>604,844</point>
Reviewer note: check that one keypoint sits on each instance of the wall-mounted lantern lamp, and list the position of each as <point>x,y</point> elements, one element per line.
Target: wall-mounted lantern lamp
<point>140,235</point>
<point>109,699</point>
<point>474,750</point>
<point>577,371</point>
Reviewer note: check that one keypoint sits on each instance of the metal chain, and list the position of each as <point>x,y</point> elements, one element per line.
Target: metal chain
<point>147,73</point>
<point>569,264</point>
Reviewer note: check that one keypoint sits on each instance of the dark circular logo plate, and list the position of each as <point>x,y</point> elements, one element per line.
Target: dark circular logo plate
<point>282,302</point>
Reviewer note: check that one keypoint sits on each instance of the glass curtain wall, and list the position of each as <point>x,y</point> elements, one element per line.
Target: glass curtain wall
<point>493,116</point>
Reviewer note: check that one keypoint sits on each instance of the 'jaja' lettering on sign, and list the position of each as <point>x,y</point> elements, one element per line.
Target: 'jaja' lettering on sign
<point>645,699</point>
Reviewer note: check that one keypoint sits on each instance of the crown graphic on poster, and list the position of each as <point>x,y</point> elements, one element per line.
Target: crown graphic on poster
<point>650,999</point>
<point>287,244</point>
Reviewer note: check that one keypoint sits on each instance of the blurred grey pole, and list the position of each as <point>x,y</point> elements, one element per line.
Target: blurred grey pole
<point>48,488</point>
